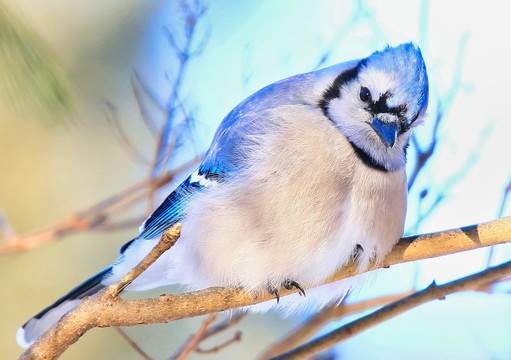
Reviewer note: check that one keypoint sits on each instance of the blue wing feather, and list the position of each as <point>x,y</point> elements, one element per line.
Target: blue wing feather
<point>170,211</point>
<point>172,208</point>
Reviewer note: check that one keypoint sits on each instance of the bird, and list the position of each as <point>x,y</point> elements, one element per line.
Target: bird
<point>302,177</point>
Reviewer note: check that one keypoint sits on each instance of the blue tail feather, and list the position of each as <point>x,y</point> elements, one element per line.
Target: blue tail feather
<point>41,322</point>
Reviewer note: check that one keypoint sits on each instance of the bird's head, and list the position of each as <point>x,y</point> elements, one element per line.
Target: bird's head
<point>377,102</point>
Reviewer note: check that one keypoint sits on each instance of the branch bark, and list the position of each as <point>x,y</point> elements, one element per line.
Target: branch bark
<point>106,310</point>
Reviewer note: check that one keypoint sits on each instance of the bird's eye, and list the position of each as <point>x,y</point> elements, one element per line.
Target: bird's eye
<point>365,94</point>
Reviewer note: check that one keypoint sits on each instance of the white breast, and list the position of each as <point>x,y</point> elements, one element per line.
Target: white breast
<point>298,212</point>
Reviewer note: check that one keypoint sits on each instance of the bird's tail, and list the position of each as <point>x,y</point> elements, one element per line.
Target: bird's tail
<point>33,328</point>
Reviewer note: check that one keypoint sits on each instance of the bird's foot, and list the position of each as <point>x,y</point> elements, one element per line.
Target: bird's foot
<point>274,291</point>
<point>290,285</point>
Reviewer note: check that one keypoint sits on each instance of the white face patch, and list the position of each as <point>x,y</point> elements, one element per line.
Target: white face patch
<point>377,81</point>
<point>352,116</point>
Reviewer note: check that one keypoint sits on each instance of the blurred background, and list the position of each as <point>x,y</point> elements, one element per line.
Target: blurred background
<point>93,94</point>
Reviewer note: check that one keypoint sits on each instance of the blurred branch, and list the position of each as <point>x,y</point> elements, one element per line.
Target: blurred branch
<point>330,313</point>
<point>105,309</point>
<point>192,11</point>
<point>432,292</point>
<point>133,344</point>
<point>98,217</point>
<point>443,106</point>
<point>139,88</point>
<point>102,216</point>
<point>423,155</point>
<point>360,14</point>
<point>507,190</point>
<point>236,337</point>
<point>212,331</point>
<point>113,118</point>
<point>453,179</point>
<point>194,340</point>
<point>5,227</point>
<point>503,203</point>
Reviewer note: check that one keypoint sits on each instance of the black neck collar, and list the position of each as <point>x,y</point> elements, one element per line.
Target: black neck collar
<point>367,159</point>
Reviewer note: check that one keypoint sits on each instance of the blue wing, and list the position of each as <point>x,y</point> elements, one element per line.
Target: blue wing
<point>171,209</point>
<point>227,154</point>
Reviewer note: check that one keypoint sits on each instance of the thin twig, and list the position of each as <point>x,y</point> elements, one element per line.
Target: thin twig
<point>442,108</point>
<point>456,177</point>
<point>194,340</point>
<point>133,344</point>
<point>113,118</point>
<point>137,82</point>
<point>224,325</point>
<point>168,239</point>
<point>90,311</point>
<point>332,312</point>
<point>387,312</point>
<point>218,348</point>
<point>214,330</point>
<point>97,217</point>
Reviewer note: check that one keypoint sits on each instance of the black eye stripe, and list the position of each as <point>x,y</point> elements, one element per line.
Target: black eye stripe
<point>375,107</point>
<point>334,90</point>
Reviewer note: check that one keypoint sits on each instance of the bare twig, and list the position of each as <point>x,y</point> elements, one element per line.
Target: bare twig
<point>97,217</point>
<point>387,312</point>
<point>218,348</point>
<point>213,330</point>
<point>443,107</point>
<point>331,313</point>
<point>113,119</point>
<point>132,343</point>
<point>194,340</point>
<point>507,191</point>
<point>224,325</point>
<point>136,83</point>
<point>106,309</point>
<point>453,179</point>
<point>192,12</point>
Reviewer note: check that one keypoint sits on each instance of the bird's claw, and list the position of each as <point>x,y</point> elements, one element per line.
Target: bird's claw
<point>290,284</point>
<point>274,291</point>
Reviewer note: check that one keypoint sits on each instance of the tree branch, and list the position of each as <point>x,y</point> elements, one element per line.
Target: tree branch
<point>72,326</point>
<point>106,310</point>
<point>330,313</point>
<point>98,217</point>
<point>194,340</point>
<point>387,312</point>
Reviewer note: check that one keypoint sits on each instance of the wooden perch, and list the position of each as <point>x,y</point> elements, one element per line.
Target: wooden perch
<point>106,309</point>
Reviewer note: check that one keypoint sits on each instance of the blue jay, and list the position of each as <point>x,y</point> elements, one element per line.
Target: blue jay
<point>303,176</point>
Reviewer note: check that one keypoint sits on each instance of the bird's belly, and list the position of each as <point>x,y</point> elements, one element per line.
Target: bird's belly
<point>253,245</point>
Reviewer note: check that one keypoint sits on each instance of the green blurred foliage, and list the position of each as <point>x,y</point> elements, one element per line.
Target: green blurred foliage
<point>32,82</point>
